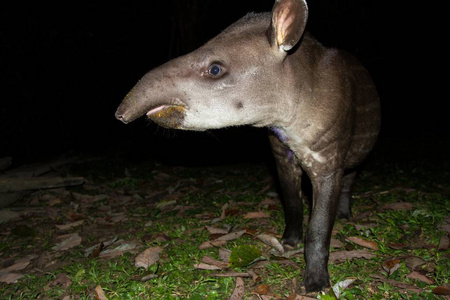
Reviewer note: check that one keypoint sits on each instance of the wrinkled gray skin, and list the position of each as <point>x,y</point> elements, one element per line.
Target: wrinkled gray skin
<point>264,70</point>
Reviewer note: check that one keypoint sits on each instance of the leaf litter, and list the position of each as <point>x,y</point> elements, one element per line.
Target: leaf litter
<point>101,217</point>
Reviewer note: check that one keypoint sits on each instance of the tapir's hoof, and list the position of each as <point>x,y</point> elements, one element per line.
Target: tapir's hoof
<point>344,215</point>
<point>316,283</point>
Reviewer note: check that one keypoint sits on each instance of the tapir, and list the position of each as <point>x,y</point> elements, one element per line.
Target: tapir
<point>320,105</point>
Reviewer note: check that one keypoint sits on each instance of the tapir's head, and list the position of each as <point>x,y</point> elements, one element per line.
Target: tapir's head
<point>234,79</point>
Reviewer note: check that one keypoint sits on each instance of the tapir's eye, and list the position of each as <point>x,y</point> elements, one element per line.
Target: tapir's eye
<point>215,70</point>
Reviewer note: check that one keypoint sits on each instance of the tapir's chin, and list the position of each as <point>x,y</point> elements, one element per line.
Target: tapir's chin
<point>169,115</point>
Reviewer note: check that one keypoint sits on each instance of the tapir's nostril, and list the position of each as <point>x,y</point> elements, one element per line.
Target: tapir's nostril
<point>120,117</point>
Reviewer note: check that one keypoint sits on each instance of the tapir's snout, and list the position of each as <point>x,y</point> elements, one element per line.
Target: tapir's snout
<point>120,115</point>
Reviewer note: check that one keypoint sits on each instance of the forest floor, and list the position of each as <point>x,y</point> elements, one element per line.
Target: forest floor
<point>150,230</point>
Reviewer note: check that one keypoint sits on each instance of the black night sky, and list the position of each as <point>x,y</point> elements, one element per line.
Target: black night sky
<point>65,69</point>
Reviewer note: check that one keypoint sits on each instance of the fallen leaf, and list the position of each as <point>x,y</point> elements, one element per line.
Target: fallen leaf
<point>118,217</point>
<point>413,262</point>
<point>391,265</point>
<point>73,216</point>
<point>397,246</point>
<point>209,260</point>
<point>70,241</point>
<point>271,241</point>
<point>210,244</point>
<point>19,264</point>
<point>442,290</point>
<point>215,230</point>
<point>262,289</point>
<point>342,285</point>
<point>363,243</point>
<point>335,243</point>
<point>420,277</point>
<point>148,257</point>
<point>231,236</point>
<point>10,277</point>
<point>61,279</point>
<point>444,243</point>
<point>224,254</point>
<point>99,293</point>
<point>256,215</point>
<point>70,225</point>
<point>119,250</point>
<point>230,274</point>
<point>341,256</point>
<point>398,206</point>
<point>7,215</point>
<point>99,247</point>
<point>445,226</point>
<point>203,266</point>
<point>239,290</point>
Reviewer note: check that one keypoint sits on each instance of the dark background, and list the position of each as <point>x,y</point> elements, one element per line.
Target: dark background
<point>65,69</point>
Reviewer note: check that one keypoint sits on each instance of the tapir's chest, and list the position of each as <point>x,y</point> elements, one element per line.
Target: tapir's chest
<point>317,157</point>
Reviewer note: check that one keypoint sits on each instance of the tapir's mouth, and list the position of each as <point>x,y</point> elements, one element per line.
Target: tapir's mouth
<point>170,115</point>
<point>161,109</point>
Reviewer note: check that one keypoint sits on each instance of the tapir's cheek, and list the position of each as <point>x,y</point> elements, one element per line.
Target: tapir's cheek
<point>169,117</point>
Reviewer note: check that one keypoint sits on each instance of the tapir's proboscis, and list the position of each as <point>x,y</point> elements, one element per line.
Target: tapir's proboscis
<point>265,70</point>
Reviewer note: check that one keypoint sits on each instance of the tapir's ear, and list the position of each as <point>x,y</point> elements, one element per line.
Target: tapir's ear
<point>288,23</point>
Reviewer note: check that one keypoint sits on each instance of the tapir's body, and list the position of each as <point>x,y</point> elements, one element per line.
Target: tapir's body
<point>320,104</point>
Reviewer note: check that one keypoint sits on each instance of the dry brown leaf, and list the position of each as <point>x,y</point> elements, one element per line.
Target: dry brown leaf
<point>256,215</point>
<point>211,261</point>
<point>398,206</point>
<point>420,277</point>
<point>99,293</point>
<point>148,257</point>
<point>203,266</point>
<point>119,250</point>
<point>262,289</point>
<point>444,243</point>
<point>231,236</point>
<point>397,246</point>
<point>10,277</point>
<point>73,216</point>
<point>19,264</point>
<point>442,290</point>
<point>391,265</point>
<point>61,279</point>
<point>230,274</point>
<point>363,243</point>
<point>335,243</point>
<point>341,256</point>
<point>70,225</point>
<point>118,217</point>
<point>210,244</point>
<point>215,230</point>
<point>69,241</point>
<point>239,290</point>
<point>271,241</point>
<point>445,226</point>
<point>224,254</point>
<point>413,262</point>
<point>269,202</point>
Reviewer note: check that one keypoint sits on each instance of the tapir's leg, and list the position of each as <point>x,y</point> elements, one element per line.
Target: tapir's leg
<point>325,198</point>
<point>344,209</point>
<point>290,174</point>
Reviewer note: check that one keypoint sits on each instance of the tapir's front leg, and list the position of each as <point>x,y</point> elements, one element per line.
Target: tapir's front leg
<point>325,199</point>
<point>289,174</point>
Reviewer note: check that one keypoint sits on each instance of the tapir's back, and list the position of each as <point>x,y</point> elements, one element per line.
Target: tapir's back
<point>366,106</point>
